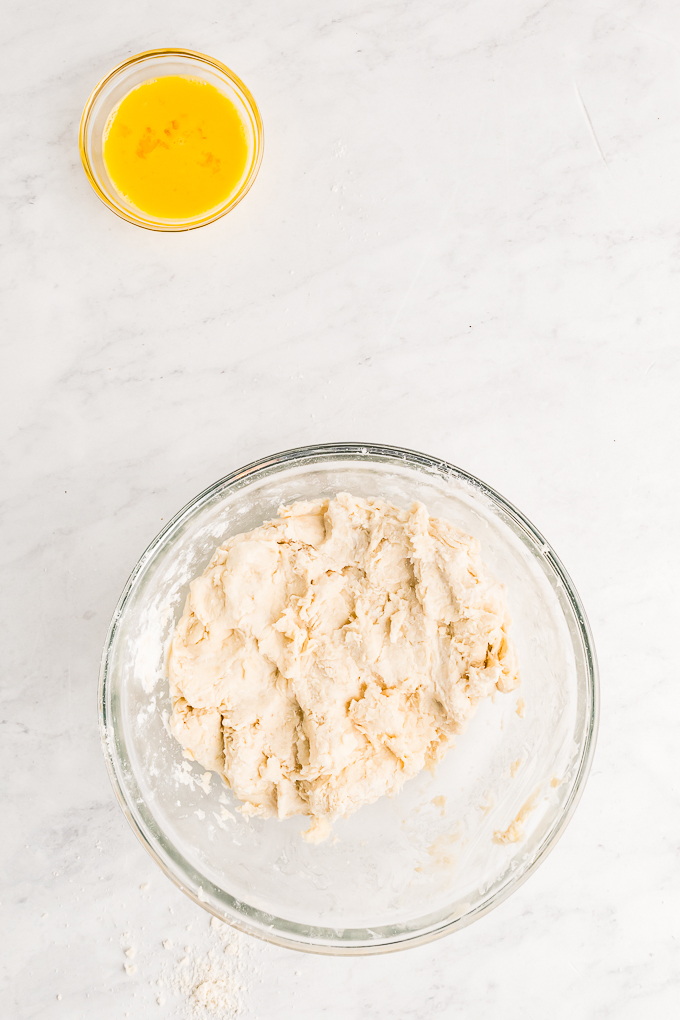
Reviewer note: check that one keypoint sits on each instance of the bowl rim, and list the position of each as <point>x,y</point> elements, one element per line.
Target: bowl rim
<point>149,223</point>
<point>347,450</point>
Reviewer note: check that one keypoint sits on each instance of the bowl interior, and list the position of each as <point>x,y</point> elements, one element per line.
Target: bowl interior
<point>158,64</point>
<point>403,868</point>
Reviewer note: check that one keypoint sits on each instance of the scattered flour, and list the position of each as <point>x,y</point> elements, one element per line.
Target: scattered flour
<point>208,977</point>
<point>210,982</point>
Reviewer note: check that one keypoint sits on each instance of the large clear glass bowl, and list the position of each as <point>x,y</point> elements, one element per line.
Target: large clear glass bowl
<point>404,870</point>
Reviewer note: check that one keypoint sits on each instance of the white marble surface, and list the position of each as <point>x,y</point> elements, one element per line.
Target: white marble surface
<point>464,239</point>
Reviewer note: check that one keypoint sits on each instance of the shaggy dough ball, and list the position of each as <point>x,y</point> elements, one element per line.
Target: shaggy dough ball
<point>328,656</point>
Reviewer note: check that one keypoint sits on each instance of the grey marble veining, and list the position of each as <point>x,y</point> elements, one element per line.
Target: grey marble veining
<point>463,239</point>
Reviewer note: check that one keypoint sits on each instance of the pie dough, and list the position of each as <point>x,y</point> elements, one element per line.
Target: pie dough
<point>328,656</point>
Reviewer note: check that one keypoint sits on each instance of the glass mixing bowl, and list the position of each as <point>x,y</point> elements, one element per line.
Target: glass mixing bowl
<point>157,64</point>
<point>404,870</point>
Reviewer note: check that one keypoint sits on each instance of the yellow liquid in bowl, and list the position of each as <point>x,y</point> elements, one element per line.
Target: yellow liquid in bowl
<point>175,147</point>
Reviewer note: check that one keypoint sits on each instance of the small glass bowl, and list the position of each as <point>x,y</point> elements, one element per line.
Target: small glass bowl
<point>404,870</point>
<point>157,64</point>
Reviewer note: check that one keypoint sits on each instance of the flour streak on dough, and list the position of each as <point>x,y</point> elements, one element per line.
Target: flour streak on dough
<point>328,656</point>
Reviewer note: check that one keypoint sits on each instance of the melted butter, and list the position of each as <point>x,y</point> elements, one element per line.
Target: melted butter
<point>175,147</point>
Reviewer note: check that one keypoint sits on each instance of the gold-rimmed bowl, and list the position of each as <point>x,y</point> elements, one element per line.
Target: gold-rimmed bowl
<point>113,88</point>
